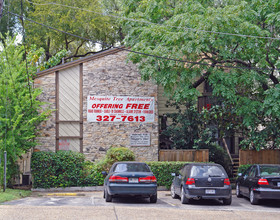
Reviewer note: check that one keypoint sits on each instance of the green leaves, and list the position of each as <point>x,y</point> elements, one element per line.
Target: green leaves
<point>226,45</point>
<point>19,107</point>
<point>62,169</point>
<point>163,169</point>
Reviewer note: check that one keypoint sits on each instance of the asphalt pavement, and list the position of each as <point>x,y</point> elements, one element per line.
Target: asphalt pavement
<point>91,205</point>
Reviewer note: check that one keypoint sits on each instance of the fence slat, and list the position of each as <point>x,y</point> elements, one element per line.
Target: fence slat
<point>184,155</point>
<point>259,157</point>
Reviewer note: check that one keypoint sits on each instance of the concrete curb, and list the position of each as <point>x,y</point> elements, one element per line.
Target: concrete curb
<point>81,189</point>
<point>69,189</point>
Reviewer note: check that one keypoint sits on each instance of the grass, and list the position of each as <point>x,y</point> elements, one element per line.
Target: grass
<point>11,194</point>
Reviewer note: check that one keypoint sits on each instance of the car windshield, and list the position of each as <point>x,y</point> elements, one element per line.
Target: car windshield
<point>270,170</point>
<point>131,167</point>
<point>207,171</point>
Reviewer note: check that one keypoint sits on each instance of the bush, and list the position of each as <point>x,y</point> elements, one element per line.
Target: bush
<point>62,169</point>
<point>115,154</point>
<point>92,175</point>
<point>242,168</point>
<point>162,171</point>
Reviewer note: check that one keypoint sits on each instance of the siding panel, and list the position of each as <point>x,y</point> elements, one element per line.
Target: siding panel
<point>69,129</point>
<point>69,94</point>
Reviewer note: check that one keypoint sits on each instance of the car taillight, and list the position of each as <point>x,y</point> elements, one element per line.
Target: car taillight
<point>118,179</point>
<point>226,182</point>
<point>148,179</point>
<point>190,181</point>
<point>263,182</point>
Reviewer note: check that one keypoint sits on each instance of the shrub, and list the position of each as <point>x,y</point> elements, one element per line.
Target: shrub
<point>244,167</point>
<point>92,175</point>
<point>163,169</point>
<point>62,169</point>
<point>115,154</point>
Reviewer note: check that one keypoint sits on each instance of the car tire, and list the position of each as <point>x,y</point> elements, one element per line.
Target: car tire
<point>153,198</point>
<point>108,197</point>
<point>253,199</point>
<point>227,201</point>
<point>173,193</point>
<point>238,194</point>
<point>184,199</point>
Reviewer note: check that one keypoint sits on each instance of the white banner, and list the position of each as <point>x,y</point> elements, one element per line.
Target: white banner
<point>120,109</point>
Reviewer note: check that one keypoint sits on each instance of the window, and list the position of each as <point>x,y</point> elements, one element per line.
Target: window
<point>269,170</point>
<point>252,172</point>
<point>131,167</point>
<point>207,171</point>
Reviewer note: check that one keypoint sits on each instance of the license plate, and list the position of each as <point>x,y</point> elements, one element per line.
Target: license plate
<point>133,180</point>
<point>210,191</point>
<point>278,184</point>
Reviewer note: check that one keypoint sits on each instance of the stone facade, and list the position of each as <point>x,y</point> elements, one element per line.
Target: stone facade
<point>46,138</point>
<point>108,75</point>
<point>113,76</point>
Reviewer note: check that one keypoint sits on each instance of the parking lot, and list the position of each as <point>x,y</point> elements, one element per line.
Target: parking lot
<point>91,205</point>
<point>164,201</point>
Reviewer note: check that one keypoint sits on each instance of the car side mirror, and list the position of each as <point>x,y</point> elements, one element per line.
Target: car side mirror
<point>104,173</point>
<point>239,174</point>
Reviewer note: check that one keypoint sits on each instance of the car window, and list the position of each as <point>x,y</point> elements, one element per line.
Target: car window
<point>252,172</point>
<point>185,170</point>
<point>206,171</point>
<point>131,167</point>
<point>181,172</point>
<point>246,172</point>
<point>269,170</point>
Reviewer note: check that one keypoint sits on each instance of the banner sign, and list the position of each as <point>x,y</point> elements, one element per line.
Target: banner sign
<point>120,109</point>
<point>140,139</point>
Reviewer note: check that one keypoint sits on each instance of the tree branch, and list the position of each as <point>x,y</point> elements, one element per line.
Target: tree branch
<point>82,55</point>
<point>271,76</point>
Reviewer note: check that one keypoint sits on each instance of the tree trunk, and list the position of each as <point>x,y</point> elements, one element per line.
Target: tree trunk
<point>226,147</point>
<point>48,55</point>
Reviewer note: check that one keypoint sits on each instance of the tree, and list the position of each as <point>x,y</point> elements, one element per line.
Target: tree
<point>86,19</point>
<point>20,111</point>
<point>242,67</point>
<point>191,129</point>
<point>8,22</point>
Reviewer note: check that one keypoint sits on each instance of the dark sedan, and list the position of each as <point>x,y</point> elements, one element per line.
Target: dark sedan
<point>130,179</point>
<point>259,181</point>
<point>201,181</point>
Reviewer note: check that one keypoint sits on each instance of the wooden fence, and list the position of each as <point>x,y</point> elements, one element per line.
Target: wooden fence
<point>184,155</point>
<point>259,157</point>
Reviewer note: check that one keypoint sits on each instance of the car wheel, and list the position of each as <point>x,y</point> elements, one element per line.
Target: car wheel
<point>227,201</point>
<point>108,197</point>
<point>153,198</point>
<point>172,190</point>
<point>238,190</point>
<point>184,199</point>
<point>253,199</point>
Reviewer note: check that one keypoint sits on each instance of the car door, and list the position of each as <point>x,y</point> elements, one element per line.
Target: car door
<point>249,182</point>
<point>243,179</point>
<point>177,181</point>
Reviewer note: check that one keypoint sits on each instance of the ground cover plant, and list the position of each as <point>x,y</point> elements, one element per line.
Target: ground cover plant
<point>11,194</point>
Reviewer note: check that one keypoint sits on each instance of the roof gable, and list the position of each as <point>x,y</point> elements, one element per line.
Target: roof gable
<point>80,61</point>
